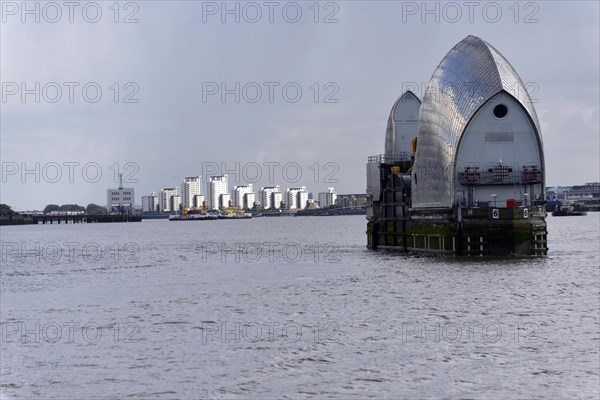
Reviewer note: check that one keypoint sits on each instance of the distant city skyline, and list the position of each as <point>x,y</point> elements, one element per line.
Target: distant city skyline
<point>219,195</point>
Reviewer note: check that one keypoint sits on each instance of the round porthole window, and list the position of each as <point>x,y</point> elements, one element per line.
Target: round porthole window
<point>500,111</point>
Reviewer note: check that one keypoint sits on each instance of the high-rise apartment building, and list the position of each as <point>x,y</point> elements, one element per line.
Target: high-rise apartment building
<point>270,197</point>
<point>165,202</point>
<point>328,198</point>
<point>190,187</point>
<point>240,198</point>
<point>296,198</point>
<point>150,202</point>
<point>217,188</point>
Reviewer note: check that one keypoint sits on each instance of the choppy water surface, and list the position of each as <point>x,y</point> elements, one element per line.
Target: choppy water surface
<point>291,308</point>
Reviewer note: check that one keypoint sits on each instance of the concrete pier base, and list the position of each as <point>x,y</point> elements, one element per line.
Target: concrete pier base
<point>486,231</point>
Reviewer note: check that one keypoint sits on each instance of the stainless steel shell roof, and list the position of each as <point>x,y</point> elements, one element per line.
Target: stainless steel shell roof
<point>468,76</point>
<point>390,134</point>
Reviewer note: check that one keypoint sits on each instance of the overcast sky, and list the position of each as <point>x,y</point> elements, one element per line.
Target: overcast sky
<point>162,67</point>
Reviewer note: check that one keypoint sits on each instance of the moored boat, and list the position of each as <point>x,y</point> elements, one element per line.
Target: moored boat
<point>192,215</point>
<point>567,211</point>
<point>235,216</point>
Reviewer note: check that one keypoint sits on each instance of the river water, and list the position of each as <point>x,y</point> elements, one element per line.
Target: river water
<point>291,308</point>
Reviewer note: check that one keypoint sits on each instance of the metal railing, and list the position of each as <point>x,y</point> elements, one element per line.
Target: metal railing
<point>495,178</point>
<point>390,158</point>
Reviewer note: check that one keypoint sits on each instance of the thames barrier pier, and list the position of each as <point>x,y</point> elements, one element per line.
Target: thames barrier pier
<point>463,170</point>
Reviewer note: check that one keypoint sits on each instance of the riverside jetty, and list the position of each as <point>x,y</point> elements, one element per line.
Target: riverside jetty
<point>33,219</point>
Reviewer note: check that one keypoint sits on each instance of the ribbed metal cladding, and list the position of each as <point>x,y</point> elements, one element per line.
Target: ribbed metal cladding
<point>470,74</point>
<point>390,132</point>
